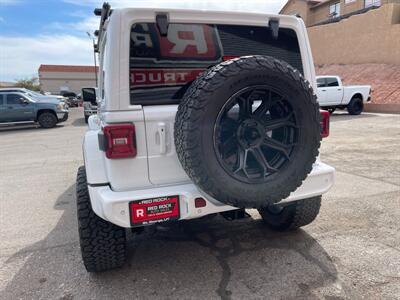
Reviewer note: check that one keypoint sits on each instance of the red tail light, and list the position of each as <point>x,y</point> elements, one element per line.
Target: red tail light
<point>199,202</point>
<point>228,57</point>
<point>120,140</point>
<point>324,123</point>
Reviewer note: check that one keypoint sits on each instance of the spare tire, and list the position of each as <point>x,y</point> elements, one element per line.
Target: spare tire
<point>247,131</point>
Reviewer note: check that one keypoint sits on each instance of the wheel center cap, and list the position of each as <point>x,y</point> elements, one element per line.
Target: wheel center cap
<point>250,133</point>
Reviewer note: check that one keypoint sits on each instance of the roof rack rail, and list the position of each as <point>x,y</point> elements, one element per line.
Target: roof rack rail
<point>104,13</point>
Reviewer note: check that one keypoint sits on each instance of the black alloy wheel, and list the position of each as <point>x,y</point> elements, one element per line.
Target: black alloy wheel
<point>47,120</point>
<point>255,133</point>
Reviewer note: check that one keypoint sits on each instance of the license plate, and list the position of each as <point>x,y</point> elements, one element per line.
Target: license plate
<point>155,210</point>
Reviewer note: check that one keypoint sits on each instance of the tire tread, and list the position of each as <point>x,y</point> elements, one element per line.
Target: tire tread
<point>103,244</point>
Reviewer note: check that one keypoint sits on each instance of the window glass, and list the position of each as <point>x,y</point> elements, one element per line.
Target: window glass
<point>369,3</point>
<point>14,99</point>
<point>1,100</point>
<point>332,81</point>
<point>321,82</point>
<point>334,10</point>
<point>163,67</point>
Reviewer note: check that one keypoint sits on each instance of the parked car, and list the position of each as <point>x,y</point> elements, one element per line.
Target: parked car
<point>33,94</point>
<point>89,102</point>
<point>333,94</point>
<point>198,118</point>
<point>20,108</point>
<point>71,99</point>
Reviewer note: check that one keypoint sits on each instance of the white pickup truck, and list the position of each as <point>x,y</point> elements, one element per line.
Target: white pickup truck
<point>332,94</point>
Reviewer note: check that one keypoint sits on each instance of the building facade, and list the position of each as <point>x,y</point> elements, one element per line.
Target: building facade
<point>58,78</point>
<point>359,40</point>
<point>316,12</point>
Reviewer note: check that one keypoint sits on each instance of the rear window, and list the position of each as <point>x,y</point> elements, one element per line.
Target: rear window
<point>162,68</point>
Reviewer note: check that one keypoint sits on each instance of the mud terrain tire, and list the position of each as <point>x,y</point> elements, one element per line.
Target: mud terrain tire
<point>103,244</point>
<point>291,216</point>
<point>249,180</point>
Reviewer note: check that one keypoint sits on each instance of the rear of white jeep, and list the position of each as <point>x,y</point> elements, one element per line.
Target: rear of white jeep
<point>200,112</point>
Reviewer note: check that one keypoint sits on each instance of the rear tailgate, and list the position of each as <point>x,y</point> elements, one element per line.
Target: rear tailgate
<point>174,61</point>
<point>164,166</point>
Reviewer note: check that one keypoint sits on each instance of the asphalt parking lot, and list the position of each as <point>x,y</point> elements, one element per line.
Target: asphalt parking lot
<point>351,251</point>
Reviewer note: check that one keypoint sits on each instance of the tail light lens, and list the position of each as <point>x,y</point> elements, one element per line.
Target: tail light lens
<point>120,140</point>
<point>324,123</point>
<point>228,57</point>
<point>199,202</point>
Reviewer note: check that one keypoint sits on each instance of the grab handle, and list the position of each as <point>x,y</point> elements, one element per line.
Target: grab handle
<point>162,136</point>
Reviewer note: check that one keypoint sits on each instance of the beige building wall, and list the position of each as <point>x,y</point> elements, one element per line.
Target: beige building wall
<point>321,12</point>
<point>372,37</point>
<point>313,13</point>
<point>74,81</point>
<point>299,7</point>
<point>350,6</point>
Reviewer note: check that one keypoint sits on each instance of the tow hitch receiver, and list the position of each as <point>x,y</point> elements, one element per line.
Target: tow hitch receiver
<point>235,214</point>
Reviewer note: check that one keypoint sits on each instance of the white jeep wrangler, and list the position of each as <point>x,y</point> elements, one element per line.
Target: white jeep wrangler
<point>200,112</point>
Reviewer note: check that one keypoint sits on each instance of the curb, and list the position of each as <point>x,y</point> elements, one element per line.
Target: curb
<point>382,108</point>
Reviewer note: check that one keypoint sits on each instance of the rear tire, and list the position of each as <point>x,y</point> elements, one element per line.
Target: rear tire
<point>103,244</point>
<point>355,106</point>
<point>47,120</point>
<point>292,216</point>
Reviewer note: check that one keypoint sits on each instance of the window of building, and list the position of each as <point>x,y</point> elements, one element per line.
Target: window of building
<point>334,10</point>
<point>369,3</point>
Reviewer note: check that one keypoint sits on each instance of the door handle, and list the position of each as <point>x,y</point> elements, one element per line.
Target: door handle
<point>161,128</point>
<point>324,90</point>
<point>339,89</point>
<point>10,107</point>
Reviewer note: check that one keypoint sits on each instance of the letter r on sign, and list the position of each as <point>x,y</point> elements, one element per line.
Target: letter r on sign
<point>140,213</point>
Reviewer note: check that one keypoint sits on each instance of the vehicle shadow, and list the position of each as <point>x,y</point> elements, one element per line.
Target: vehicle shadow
<point>344,116</point>
<point>80,122</point>
<point>205,258</point>
<point>4,130</point>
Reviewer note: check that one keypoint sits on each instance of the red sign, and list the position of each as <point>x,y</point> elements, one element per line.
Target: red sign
<point>149,211</point>
<point>162,77</point>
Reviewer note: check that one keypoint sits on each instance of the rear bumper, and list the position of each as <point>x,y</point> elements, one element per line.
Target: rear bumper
<point>114,206</point>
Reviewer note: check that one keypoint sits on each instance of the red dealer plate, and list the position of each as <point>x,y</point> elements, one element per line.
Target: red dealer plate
<point>155,210</point>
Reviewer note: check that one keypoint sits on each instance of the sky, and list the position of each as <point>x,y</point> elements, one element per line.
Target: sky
<point>34,32</point>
